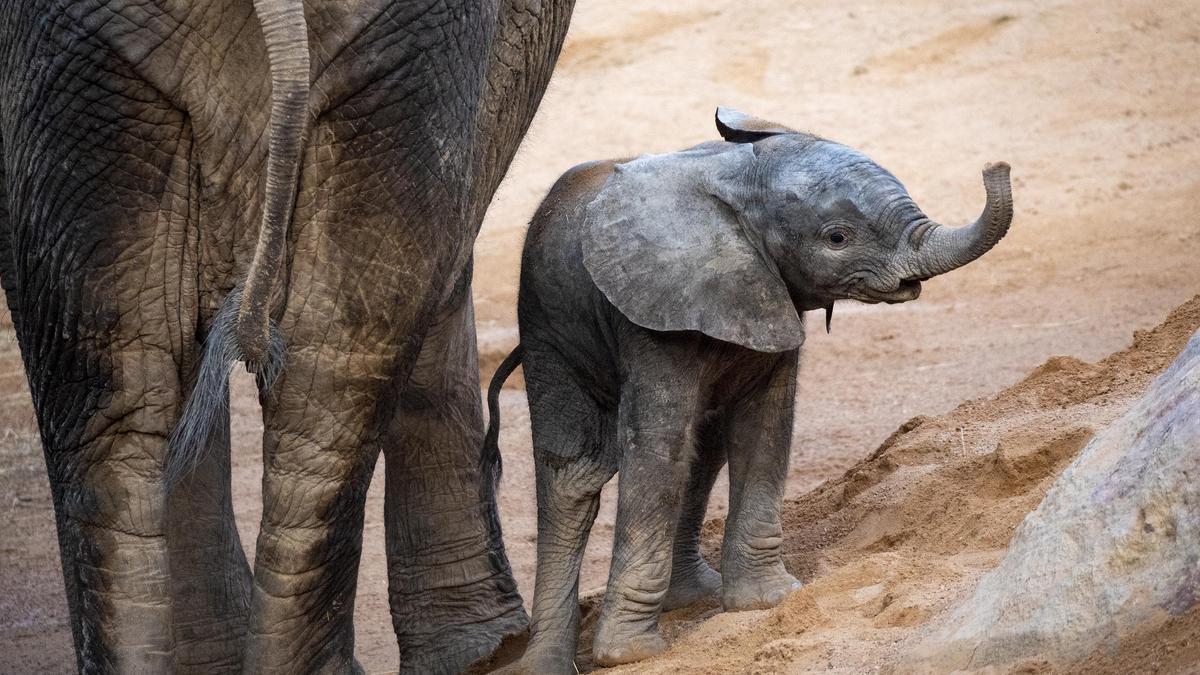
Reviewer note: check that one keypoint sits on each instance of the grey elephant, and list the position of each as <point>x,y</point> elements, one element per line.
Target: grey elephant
<point>296,185</point>
<point>660,315</point>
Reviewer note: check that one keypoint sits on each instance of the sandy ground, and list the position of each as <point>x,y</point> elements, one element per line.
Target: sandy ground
<point>1093,104</point>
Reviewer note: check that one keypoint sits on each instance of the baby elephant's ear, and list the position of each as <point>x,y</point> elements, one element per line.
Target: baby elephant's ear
<point>738,127</point>
<point>672,256</point>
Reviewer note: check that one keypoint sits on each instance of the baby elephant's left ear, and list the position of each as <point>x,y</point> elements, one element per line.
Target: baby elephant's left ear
<point>671,255</point>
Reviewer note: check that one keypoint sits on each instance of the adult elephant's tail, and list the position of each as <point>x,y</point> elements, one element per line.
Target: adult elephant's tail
<point>242,329</point>
<point>489,460</point>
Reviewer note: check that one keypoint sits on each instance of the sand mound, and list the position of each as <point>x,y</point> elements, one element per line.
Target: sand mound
<point>903,534</point>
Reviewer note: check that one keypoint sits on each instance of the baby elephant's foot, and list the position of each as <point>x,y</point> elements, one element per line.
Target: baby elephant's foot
<point>692,585</point>
<point>551,659</point>
<point>614,651</point>
<point>757,592</point>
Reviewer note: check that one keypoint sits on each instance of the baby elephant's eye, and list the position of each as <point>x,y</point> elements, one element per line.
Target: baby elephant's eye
<point>837,237</point>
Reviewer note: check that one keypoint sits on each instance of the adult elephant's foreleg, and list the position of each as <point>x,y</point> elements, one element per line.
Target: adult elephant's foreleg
<point>452,594</point>
<point>210,579</point>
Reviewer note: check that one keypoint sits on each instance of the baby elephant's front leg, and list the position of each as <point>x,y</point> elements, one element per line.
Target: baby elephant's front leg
<point>692,578</point>
<point>759,444</point>
<point>655,430</point>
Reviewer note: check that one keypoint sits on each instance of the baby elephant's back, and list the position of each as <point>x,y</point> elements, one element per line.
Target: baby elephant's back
<point>559,305</point>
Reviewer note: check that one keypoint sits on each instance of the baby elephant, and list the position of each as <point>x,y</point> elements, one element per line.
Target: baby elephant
<point>660,315</point>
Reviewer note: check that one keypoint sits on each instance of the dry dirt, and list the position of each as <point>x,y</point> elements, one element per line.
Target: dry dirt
<point>1093,104</point>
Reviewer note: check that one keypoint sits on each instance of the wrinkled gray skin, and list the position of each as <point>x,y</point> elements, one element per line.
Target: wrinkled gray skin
<point>332,162</point>
<point>660,324</point>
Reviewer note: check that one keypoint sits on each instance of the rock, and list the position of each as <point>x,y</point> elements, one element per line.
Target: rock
<point>1112,551</point>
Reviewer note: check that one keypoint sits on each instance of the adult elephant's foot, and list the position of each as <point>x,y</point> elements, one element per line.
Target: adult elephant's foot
<point>757,591</point>
<point>455,647</point>
<point>453,607</point>
<point>614,650</point>
<point>691,584</point>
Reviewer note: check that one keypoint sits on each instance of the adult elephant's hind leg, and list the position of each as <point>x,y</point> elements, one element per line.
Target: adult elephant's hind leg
<point>100,271</point>
<point>104,439</point>
<point>452,595</point>
<point>318,456</point>
<point>109,508</point>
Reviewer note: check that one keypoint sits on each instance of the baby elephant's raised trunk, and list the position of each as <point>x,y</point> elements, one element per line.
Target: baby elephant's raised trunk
<point>937,249</point>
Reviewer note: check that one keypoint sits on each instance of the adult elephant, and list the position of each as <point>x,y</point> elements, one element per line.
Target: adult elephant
<point>144,216</point>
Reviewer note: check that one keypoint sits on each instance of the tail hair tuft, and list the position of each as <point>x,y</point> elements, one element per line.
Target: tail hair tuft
<point>205,415</point>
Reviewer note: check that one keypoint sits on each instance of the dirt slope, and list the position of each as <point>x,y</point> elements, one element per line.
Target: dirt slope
<point>907,531</point>
<point>1093,103</point>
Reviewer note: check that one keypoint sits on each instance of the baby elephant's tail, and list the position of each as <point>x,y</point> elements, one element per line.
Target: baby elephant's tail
<point>490,463</point>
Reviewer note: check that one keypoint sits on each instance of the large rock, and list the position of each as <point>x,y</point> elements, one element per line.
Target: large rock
<point>1112,552</point>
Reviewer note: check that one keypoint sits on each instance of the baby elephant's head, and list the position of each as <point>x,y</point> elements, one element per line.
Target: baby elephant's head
<point>734,239</point>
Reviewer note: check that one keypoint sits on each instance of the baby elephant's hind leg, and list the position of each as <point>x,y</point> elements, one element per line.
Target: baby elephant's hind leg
<point>692,578</point>
<point>573,459</point>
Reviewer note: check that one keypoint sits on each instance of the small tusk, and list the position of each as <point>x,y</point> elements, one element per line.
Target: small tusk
<point>828,317</point>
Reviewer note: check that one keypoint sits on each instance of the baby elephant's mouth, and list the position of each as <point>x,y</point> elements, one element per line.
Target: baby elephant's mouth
<point>908,289</point>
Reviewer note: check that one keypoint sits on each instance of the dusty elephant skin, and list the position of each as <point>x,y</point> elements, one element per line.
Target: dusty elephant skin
<point>660,317</point>
<point>151,152</point>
